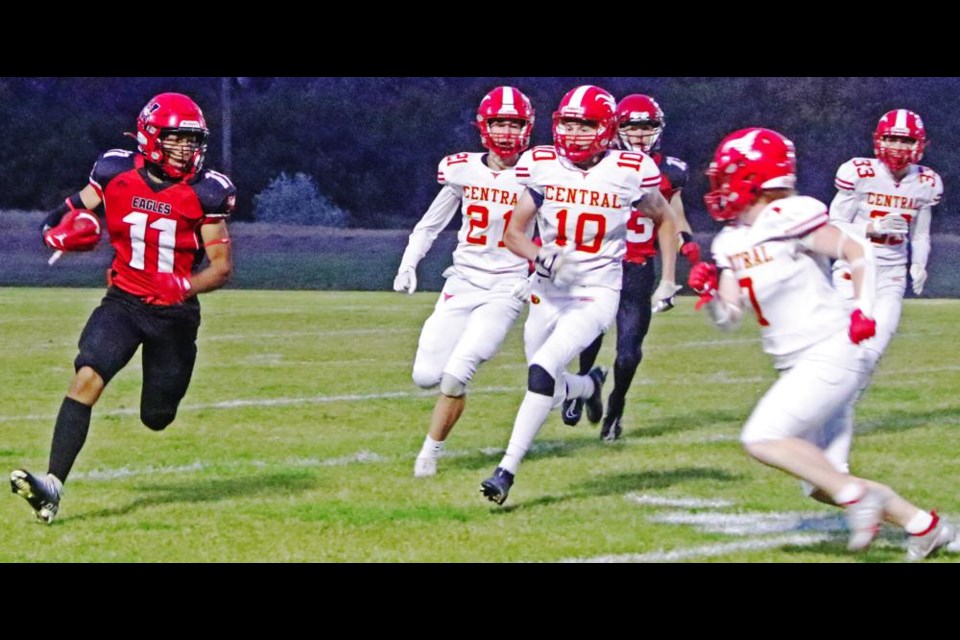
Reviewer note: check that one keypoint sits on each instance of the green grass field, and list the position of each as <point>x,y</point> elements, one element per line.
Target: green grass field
<point>296,443</point>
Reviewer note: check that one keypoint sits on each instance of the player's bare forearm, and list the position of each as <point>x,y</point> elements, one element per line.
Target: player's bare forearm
<point>218,272</point>
<point>667,237</point>
<point>655,206</point>
<point>515,235</point>
<point>680,213</point>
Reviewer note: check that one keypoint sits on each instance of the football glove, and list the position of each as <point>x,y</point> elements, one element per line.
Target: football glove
<point>861,327</point>
<point>704,280</point>
<point>552,263</point>
<point>662,299</point>
<point>169,289</point>
<point>918,275</point>
<point>79,230</point>
<point>521,290</point>
<point>891,225</point>
<point>688,247</point>
<point>406,280</point>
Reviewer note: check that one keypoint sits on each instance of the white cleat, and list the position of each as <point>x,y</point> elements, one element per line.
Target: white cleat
<point>863,519</point>
<point>425,467</point>
<point>942,534</point>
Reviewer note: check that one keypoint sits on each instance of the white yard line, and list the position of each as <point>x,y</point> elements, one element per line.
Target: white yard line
<point>710,550</point>
<point>275,402</point>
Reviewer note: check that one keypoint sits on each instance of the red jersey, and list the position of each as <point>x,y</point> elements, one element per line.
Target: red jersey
<point>641,231</point>
<point>155,227</point>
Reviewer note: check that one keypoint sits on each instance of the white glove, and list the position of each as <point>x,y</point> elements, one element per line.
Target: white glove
<point>891,225</point>
<point>918,274</point>
<point>406,280</point>
<point>521,290</point>
<point>552,263</point>
<point>662,299</point>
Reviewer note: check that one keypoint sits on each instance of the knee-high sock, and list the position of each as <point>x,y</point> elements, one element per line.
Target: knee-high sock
<point>532,414</point>
<point>69,434</point>
<point>623,373</point>
<point>588,357</point>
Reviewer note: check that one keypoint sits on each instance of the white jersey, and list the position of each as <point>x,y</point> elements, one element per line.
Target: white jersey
<point>588,208</point>
<point>794,302</point>
<point>486,199</point>
<point>866,190</point>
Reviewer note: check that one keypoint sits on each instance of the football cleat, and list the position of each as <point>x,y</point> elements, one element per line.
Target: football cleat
<point>497,487</point>
<point>572,411</point>
<point>863,519</point>
<point>940,534</point>
<point>425,467</point>
<point>44,499</point>
<point>594,404</point>
<point>612,428</point>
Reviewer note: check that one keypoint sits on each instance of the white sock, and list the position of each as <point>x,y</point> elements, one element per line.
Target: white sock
<point>919,523</point>
<point>431,448</point>
<point>578,386</point>
<point>851,492</point>
<point>532,414</point>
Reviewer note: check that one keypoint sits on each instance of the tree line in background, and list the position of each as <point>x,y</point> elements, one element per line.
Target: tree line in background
<point>363,151</point>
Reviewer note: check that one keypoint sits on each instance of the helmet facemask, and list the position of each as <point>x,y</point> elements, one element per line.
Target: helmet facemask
<point>172,115</point>
<point>505,105</point>
<point>505,137</point>
<point>641,135</point>
<point>899,139</point>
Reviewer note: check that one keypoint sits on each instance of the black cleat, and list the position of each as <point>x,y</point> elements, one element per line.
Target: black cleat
<point>497,487</point>
<point>594,404</point>
<point>612,428</point>
<point>572,411</point>
<point>44,500</point>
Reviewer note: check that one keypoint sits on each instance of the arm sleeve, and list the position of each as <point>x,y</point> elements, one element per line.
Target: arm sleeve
<point>435,220</point>
<point>53,218</point>
<point>920,238</point>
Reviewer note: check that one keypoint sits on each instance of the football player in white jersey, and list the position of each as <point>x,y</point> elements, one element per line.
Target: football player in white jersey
<point>888,199</point>
<point>478,305</point>
<point>582,192</point>
<point>766,259</point>
<point>641,124</point>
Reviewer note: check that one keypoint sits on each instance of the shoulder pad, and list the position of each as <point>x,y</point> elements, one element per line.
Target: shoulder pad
<point>216,193</point>
<point>110,164</point>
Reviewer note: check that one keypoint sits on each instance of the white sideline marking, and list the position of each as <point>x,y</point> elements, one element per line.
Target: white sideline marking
<point>690,503</point>
<point>126,472</point>
<point>706,551</point>
<point>302,334</point>
<point>755,523</point>
<point>276,402</point>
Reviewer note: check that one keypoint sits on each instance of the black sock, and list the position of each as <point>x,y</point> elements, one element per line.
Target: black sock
<point>588,357</point>
<point>69,434</point>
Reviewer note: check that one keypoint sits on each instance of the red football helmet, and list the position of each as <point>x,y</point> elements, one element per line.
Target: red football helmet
<point>172,113</point>
<point>592,104</point>
<point>746,162</point>
<point>500,104</point>
<point>899,123</point>
<point>638,109</point>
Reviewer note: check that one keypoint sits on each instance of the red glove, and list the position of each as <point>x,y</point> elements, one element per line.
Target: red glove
<point>861,327</point>
<point>79,230</point>
<point>169,289</point>
<point>689,248</point>
<point>704,279</point>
